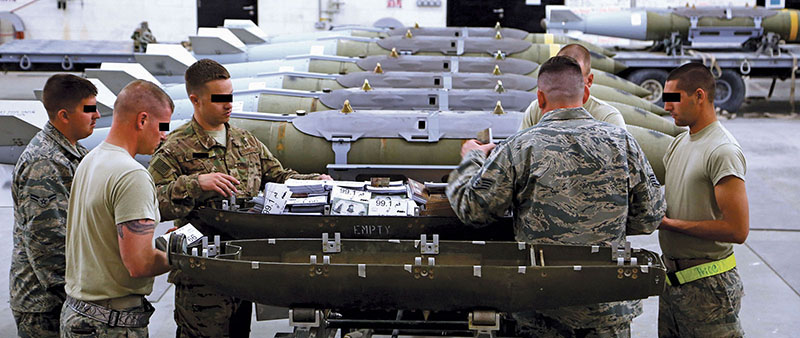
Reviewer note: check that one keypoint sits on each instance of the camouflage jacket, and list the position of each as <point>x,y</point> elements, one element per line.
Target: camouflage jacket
<point>569,180</point>
<point>40,189</point>
<point>189,152</point>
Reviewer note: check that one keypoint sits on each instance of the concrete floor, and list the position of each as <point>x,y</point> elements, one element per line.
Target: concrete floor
<point>771,306</point>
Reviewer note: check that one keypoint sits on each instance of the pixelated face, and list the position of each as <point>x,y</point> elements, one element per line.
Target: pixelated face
<point>216,102</point>
<point>681,106</point>
<point>83,117</point>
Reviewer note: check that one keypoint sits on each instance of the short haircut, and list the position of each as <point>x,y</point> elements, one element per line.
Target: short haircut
<point>580,54</point>
<point>694,75</point>
<point>139,96</point>
<point>560,79</point>
<point>65,91</point>
<point>202,72</point>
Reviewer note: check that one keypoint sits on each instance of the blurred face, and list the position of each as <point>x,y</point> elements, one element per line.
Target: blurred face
<point>685,112</point>
<point>82,118</point>
<point>152,135</point>
<point>213,106</point>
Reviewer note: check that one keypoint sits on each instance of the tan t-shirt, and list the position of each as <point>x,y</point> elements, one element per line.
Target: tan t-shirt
<point>599,109</point>
<point>219,135</point>
<point>694,165</point>
<point>110,187</point>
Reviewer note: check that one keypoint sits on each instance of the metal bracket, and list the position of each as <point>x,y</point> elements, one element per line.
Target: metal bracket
<point>460,47</point>
<point>447,82</point>
<point>485,324</point>
<point>334,246</point>
<point>444,100</point>
<point>421,271</point>
<point>341,146</point>
<point>428,248</point>
<point>454,64</point>
<point>316,269</point>
<point>621,254</point>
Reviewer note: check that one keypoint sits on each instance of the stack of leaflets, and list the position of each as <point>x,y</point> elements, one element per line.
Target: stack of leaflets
<point>275,198</point>
<point>435,188</point>
<point>390,205</point>
<point>417,192</point>
<point>307,205</point>
<point>309,187</point>
<point>346,201</point>
<point>357,198</point>
<point>394,188</point>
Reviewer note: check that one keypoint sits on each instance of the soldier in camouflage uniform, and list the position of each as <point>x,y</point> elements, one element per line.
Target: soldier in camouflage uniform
<point>707,212</point>
<point>570,179</point>
<point>40,189</point>
<point>208,158</point>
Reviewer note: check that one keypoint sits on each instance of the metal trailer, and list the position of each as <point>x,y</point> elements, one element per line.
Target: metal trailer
<point>650,70</point>
<point>69,55</point>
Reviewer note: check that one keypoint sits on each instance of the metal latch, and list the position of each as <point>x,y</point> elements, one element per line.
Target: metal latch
<point>621,255</point>
<point>428,248</point>
<point>334,246</point>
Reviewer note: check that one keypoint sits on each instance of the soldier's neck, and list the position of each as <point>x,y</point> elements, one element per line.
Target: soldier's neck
<point>64,130</point>
<point>207,126</point>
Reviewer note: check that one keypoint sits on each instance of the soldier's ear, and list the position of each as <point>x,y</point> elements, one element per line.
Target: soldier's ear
<point>141,119</point>
<point>586,94</point>
<point>542,101</point>
<point>194,99</point>
<point>62,115</point>
<point>700,95</point>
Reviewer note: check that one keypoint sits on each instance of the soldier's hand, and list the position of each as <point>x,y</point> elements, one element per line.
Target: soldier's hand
<point>324,177</point>
<point>474,144</point>
<point>666,223</point>
<point>223,184</point>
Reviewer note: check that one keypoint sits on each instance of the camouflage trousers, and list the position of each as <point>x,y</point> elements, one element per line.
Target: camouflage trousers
<point>535,325</point>
<point>76,325</point>
<point>707,307</point>
<point>37,324</point>
<point>201,311</point>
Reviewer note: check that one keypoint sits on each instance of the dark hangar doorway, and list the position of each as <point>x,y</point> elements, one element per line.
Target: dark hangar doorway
<point>212,13</point>
<point>510,13</point>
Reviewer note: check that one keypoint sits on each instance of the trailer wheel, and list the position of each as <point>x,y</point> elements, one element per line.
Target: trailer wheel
<point>652,80</point>
<point>730,91</point>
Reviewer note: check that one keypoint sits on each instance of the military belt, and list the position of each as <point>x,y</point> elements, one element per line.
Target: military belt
<point>112,317</point>
<point>694,269</point>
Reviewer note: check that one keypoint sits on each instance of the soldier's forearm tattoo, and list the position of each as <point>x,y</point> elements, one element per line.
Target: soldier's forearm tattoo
<point>137,227</point>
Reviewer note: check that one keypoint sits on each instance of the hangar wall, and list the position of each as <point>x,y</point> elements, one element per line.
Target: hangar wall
<point>174,20</point>
<point>170,20</point>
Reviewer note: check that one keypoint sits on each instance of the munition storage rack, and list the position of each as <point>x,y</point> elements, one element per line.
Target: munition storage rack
<point>334,279</point>
<point>396,274</point>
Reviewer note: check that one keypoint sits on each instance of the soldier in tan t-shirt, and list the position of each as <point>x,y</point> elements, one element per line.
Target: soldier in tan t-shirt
<point>112,214</point>
<point>599,109</point>
<point>707,211</point>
